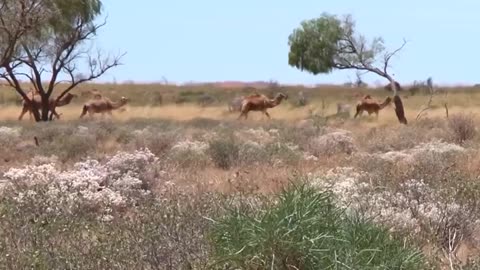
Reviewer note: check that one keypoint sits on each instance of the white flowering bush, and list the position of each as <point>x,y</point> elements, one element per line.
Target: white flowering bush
<point>332,143</point>
<point>259,135</point>
<point>197,147</point>
<point>40,160</point>
<point>425,160</point>
<point>189,153</point>
<point>10,132</point>
<point>415,208</point>
<point>9,135</point>
<point>88,181</point>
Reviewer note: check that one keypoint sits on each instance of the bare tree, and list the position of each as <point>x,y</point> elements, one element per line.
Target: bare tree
<point>431,92</point>
<point>53,49</point>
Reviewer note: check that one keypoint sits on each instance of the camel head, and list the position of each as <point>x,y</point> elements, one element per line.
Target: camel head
<point>387,101</point>
<point>281,96</point>
<point>70,95</point>
<point>124,99</point>
<point>65,100</point>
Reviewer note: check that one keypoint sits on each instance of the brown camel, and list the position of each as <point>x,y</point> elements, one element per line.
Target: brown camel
<point>258,102</point>
<point>371,106</point>
<point>35,97</point>
<point>100,104</point>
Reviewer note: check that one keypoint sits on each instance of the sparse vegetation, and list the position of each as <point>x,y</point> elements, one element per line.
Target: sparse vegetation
<point>462,127</point>
<point>214,177</point>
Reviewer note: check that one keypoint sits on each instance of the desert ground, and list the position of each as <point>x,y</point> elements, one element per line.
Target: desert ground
<point>174,179</point>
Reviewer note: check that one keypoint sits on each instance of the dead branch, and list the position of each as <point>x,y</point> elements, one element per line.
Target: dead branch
<point>430,99</point>
<point>445,101</point>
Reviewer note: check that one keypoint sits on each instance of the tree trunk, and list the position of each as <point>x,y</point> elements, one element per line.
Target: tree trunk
<point>399,111</point>
<point>45,108</point>
<point>36,114</point>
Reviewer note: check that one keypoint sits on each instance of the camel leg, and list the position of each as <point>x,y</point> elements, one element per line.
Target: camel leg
<point>55,114</point>
<point>358,113</point>
<point>84,111</point>
<point>244,114</point>
<point>24,110</point>
<point>266,113</point>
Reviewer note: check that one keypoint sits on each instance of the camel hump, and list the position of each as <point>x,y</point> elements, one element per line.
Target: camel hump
<point>254,95</point>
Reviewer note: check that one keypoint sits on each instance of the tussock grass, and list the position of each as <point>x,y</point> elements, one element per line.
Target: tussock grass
<point>302,229</point>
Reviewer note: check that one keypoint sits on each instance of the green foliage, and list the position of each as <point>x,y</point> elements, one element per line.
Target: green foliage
<point>304,230</point>
<point>322,44</point>
<point>66,14</point>
<point>313,46</point>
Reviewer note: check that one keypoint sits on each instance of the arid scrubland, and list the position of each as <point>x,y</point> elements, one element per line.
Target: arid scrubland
<point>213,193</point>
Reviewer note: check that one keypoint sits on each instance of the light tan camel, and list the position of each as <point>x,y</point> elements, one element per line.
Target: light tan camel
<point>100,104</point>
<point>34,96</point>
<point>258,102</point>
<point>371,106</point>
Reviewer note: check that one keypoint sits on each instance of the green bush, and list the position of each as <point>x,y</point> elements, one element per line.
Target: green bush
<point>224,152</point>
<point>304,230</point>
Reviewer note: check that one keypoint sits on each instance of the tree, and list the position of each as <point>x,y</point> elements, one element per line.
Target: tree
<point>326,43</point>
<point>49,39</point>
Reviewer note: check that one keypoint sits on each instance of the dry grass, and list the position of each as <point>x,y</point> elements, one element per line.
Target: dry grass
<point>321,101</point>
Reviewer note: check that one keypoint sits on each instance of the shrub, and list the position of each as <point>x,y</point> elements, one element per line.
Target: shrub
<point>189,153</point>
<point>332,143</point>
<point>462,127</point>
<point>304,230</point>
<point>224,152</point>
<point>71,147</point>
<point>38,233</point>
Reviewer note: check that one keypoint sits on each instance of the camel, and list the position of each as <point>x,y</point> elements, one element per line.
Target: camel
<point>35,97</point>
<point>258,102</point>
<point>100,104</point>
<point>371,106</point>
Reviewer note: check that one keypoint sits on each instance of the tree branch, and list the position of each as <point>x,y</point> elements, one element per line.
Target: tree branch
<point>430,99</point>
<point>388,56</point>
<point>103,67</point>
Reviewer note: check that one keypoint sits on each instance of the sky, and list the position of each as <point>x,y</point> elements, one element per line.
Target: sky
<point>216,40</point>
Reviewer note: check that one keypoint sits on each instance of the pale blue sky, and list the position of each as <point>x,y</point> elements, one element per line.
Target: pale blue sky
<point>218,40</point>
